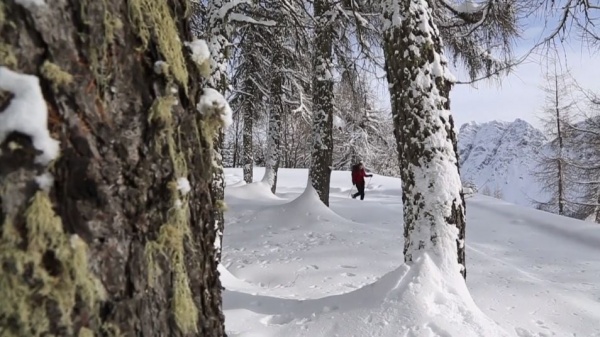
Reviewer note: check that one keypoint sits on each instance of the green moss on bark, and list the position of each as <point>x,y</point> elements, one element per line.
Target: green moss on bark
<point>56,76</point>
<point>7,56</point>
<point>48,270</point>
<point>175,232</point>
<point>154,21</point>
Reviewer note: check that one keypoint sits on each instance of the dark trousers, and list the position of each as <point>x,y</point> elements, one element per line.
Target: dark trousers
<point>361,191</point>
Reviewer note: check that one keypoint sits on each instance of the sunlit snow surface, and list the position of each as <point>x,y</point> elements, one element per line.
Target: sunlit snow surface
<point>292,267</point>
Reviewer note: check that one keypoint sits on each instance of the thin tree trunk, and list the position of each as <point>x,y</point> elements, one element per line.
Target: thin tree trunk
<point>561,196</point>
<point>236,143</point>
<point>274,131</point>
<point>117,245</point>
<point>597,218</point>
<point>434,211</point>
<point>322,149</point>
<point>247,149</point>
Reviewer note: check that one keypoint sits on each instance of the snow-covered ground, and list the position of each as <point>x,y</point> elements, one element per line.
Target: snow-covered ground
<point>292,267</point>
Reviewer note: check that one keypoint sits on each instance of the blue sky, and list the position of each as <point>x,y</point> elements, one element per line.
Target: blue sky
<point>519,95</point>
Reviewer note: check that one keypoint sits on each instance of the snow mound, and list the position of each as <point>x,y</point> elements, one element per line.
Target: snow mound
<point>429,301</point>
<point>253,191</point>
<point>306,209</point>
<point>417,301</point>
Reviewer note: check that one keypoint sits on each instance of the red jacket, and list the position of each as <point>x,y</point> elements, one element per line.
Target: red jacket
<point>358,176</point>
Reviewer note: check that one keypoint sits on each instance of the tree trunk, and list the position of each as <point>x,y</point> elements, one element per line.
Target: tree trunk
<point>434,211</point>
<point>274,131</point>
<point>248,149</point>
<point>217,34</point>
<point>117,245</point>
<point>322,150</point>
<point>597,215</point>
<point>560,175</point>
<point>236,142</point>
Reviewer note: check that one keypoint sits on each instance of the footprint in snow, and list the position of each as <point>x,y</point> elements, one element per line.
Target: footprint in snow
<point>347,266</point>
<point>312,266</point>
<point>348,274</point>
<point>523,332</point>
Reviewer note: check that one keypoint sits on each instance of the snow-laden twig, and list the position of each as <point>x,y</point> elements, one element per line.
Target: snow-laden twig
<point>213,103</point>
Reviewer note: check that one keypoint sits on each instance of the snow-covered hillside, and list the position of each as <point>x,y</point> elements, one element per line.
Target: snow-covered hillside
<point>500,158</point>
<point>293,267</point>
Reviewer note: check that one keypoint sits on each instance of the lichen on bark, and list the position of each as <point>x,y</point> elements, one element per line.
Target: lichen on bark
<point>154,20</point>
<point>45,276</point>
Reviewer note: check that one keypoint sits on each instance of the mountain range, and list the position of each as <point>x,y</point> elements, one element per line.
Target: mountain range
<point>500,159</point>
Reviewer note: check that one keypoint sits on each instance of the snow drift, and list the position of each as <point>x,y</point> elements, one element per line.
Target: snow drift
<point>292,267</point>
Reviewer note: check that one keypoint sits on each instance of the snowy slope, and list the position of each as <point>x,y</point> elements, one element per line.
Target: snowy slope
<point>500,157</point>
<point>292,267</point>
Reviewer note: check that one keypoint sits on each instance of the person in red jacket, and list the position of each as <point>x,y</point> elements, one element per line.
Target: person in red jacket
<point>358,179</point>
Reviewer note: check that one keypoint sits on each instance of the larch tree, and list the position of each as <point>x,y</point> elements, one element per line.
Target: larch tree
<point>583,148</point>
<point>276,110</point>
<point>251,85</point>
<point>322,91</point>
<point>215,23</point>
<point>357,124</point>
<point>288,43</point>
<point>554,166</point>
<point>107,129</point>
<point>419,84</point>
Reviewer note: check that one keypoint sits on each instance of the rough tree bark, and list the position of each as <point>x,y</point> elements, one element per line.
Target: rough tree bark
<point>247,131</point>
<point>434,209</point>
<point>115,247</point>
<point>275,113</point>
<point>322,150</point>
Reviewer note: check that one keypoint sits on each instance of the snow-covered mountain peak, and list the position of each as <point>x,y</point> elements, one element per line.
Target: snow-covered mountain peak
<point>499,158</point>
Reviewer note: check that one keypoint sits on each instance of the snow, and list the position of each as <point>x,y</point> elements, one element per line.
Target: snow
<point>338,122</point>
<point>228,5</point>
<point>27,113</point>
<point>293,267</point>
<point>466,6</point>
<point>200,51</point>
<point>45,181</point>
<point>238,17</point>
<point>213,103</point>
<point>30,3</point>
<point>159,66</point>
<point>183,185</point>
<point>501,158</point>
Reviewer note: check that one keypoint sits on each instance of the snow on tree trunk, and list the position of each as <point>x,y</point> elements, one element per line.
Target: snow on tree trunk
<point>217,35</point>
<point>434,211</point>
<point>274,131</point>
<point>322,130</point>
<point>248,149</point>
<point>116,236</point>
